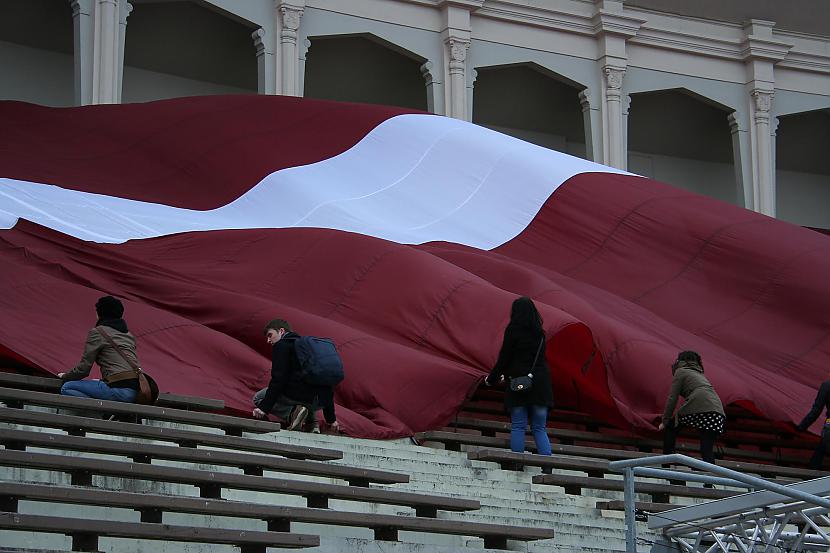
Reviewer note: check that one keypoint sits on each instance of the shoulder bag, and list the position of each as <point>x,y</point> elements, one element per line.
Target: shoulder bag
<point>145,394</point>
<point>525,383</point>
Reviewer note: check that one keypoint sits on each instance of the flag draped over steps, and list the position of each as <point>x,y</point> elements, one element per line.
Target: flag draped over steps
<point>404,237</point>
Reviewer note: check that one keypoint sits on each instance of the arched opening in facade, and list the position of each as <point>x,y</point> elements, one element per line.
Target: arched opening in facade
<point>36,52</point>
<point>683,139</point>
<point>802,177</point>
<point>364,68</point>
<point>531,103</point>
<point>182,48</point>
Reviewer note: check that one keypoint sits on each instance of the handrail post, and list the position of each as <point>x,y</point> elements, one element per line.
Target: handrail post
<point>630,520</point>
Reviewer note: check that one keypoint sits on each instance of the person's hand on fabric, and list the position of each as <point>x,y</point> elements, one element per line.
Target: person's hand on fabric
<point>61,375</point>
<point>661,426</point>
<point>258,413</point>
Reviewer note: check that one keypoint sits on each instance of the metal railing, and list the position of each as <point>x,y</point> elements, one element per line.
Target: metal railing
<point>729,514</point>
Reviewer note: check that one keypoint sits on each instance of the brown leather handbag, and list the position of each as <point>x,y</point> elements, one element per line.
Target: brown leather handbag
<point>148,391</point>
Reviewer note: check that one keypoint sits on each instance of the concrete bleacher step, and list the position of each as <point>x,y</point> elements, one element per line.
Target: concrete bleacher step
<point>506,497</point>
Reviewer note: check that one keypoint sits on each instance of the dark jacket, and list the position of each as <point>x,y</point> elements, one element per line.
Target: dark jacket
<point>822,402</point>
<point>515,359</point>
<point>689,382</point>
<point>286,378</point>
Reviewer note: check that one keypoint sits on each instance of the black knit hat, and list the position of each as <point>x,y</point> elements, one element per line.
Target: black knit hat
<point>109,307</point>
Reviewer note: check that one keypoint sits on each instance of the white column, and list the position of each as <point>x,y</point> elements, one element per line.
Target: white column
<point>289,15</point>
<point>761,51</point>
<point>126,10</point>
<point>626,107</point>
<point>742,161</point>
<point>456,33</point>
<point>762,152</point>
<point>265,63</point>
<point>83,38</point>
<point>427,71</point>
<point>614,146</point>
<point>105,62</point>
<point>457,81</point>
<point>612,28</point>
<point>591,123</point>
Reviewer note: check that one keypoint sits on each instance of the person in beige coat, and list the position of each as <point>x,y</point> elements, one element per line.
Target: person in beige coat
<point>702,409</point>
<point>119,380</point>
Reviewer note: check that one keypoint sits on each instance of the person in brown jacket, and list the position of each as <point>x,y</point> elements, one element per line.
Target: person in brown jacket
<point>702,409</point>
<point>119,380</point>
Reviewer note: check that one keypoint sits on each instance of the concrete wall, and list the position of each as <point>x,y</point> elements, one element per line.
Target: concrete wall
<point>35,75</point>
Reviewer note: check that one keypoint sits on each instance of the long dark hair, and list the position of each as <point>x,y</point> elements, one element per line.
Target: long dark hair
<point>524,314</point>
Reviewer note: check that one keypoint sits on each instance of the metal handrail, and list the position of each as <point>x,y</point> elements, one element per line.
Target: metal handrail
<point>630,467</point>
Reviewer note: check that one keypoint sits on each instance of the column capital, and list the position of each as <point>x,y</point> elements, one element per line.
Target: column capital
<point>426,72</point>
<point>80,7</point>
<point>613,81</point>
<point>457,48</point>
<point>762,101</point>
<point>259,38</point>
<point>290,17</point>
<point>734,122</point>
<point>585,99</point>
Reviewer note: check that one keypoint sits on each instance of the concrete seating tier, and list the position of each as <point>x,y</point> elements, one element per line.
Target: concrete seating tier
<point>233,426</point>
<point>455,440</point>
<point>250,463</point>
<point>660,493</point>
<point>53,385</point>
<point>79,426</point>
<point>509,460</point>
<point>569,437</point>
<point>279,518</point>
<point>85,532</point>
<point>211,483</point>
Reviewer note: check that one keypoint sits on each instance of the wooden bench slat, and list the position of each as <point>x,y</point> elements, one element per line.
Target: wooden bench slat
<point>574,484</point>
<point>195,403</point>
<point>355,475</point>
<point>514,461</point>
<point>453,441</point>
<point>165,399</point>
<point>215,481</point>
<point>218,507</point>
<point>79,425</point>
<point>619,505</point>
<point>153,531</point>
<point>233,425</point>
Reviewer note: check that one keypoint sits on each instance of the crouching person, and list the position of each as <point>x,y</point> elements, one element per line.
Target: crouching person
<point>112,346</point>
<point>287,396</point>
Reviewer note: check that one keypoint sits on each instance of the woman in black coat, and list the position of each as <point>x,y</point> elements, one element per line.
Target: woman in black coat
<point>523,352</point>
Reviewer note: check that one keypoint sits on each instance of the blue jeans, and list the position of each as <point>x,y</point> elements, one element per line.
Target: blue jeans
<point>97,389</point>
<point>518,424</point>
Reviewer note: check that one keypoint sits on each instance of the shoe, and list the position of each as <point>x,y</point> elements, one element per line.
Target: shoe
<point>315,429</point>
<point>297,417</point>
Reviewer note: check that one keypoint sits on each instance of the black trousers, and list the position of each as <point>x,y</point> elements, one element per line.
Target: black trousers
<point>707,441</point>
<point>818,455</point>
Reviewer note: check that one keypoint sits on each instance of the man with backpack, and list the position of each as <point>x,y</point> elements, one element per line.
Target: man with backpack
<point>304,371</point>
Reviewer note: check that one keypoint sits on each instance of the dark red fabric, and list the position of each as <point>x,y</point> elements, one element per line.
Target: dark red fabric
<point>416,333</point>
<point>637,268</point>
<point>199,153</point>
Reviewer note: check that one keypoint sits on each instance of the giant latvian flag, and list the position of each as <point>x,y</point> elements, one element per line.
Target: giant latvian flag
<point>404,237</point>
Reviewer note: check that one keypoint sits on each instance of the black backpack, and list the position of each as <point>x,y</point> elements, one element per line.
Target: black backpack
<point>320,364</point>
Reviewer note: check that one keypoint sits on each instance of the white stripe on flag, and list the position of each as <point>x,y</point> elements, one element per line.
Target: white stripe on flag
<point>413,179</point>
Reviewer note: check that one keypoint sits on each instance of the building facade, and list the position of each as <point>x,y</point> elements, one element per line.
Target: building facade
<point>731,101</point>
